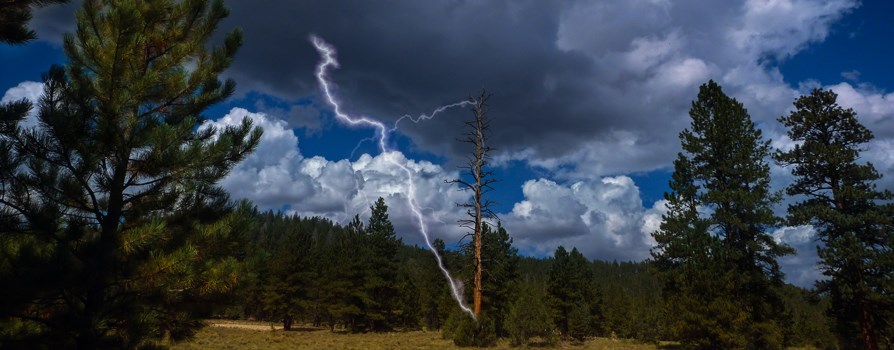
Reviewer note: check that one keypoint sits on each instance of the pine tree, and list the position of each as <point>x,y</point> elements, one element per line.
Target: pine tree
<point>685,258</point>
<point>500,276</point>
<point>14,17</point>
<point>408,312</point>
<point>575,301</point>
<point>109,207</point>
<point>342,266</point>
<point>528,316</point>
<point>435,295</point>
<point>287,274</point>
<point>727,258</point>
<point>562,294</point>
<point>852,218</point>
<point>631,297</point>
<point>382,265</point>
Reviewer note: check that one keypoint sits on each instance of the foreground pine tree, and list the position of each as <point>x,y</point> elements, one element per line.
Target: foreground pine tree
<point>722,266</point>
<point>849,214</point>
<point>114,233</point>
<point>685,259</point>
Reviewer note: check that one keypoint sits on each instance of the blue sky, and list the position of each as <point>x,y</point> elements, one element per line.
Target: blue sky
<point>588,101</point>
<point>856,43</point>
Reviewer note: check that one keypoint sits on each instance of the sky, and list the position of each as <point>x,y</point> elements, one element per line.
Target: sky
<point>588,101</point>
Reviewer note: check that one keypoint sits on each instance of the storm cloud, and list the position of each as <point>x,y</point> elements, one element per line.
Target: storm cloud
<point>582,89</point>
<point>585,89</point>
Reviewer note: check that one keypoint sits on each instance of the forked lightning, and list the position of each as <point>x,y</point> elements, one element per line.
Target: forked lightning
<point>327,53</point>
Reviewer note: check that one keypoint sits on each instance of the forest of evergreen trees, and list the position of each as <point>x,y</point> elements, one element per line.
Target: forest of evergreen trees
<point>361,278</point>
<point>114,232</point>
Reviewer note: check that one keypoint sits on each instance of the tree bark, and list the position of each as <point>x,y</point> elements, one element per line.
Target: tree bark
<point>866,329</point>
<point>287,323</point>
<point>478,174</point>
<point>476,296</point>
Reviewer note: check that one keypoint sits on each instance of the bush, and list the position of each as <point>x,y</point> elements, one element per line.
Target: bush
<point>454,317</point>
<point>528,317</point>
<point>466,331</point>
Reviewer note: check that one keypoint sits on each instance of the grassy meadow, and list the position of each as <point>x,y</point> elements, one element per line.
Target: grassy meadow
<point>216,337</point>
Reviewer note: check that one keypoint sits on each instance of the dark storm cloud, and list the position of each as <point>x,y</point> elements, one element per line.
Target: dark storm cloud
<point>403,57</point>
<point>581,88</point>
<point>409,56</point>
<point>400,57</point>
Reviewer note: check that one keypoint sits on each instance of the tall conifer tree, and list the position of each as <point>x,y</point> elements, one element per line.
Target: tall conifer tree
<point>851,217</point>
<point>685,258</point>
<point>723,169</point>
<point>342,288</point>
<point>110,207</point>
<point>575,301</point>
<point>381,267</point>
<point>287,276</point>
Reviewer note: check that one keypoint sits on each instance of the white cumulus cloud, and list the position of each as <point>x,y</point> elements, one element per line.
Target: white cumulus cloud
<point>277,176</point>
<point>604,218</point>
<point>802,268</point>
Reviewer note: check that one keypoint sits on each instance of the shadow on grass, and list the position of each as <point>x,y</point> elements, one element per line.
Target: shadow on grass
<point>305,329</point>
<point>542,344</point>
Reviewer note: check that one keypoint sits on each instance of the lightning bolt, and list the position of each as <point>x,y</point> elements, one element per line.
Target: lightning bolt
<point>422,117</point>
<point>327,53</point>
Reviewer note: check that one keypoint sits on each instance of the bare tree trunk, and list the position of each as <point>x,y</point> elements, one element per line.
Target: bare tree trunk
<point>477,173</point>
<point>478,208</point>
<point>476,294</point>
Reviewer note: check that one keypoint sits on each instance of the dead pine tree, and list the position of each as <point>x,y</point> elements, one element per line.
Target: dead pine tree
<point>478,180</point>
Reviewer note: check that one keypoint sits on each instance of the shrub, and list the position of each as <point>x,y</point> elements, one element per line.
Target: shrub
<point>528,317</point>
<point>466,331</point>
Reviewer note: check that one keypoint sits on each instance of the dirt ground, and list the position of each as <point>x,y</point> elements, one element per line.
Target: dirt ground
<point>255,326</point>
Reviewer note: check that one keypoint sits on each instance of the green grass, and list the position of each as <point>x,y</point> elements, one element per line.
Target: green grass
<point>310,338</point>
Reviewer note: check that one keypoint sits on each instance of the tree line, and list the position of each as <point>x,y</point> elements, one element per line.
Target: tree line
<point>360,277</point>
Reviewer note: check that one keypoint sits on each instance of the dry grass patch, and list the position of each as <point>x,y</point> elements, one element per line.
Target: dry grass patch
<point>311,338</point>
